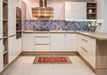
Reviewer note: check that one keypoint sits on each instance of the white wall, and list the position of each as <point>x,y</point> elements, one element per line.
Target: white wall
<point>29,5</point>
<point>58,6</point>
<point>23,14</point>
<point>100,13</point>
<point>105,16</point>
<point>100,9</point>
<point>19,3</point>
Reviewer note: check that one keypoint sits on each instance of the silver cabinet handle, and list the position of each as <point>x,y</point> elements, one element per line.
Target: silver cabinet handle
<point>12,35</point>
<point>84,40</point>
<point>84,49</point>
<point>42,36</point>
<point>42,44</point>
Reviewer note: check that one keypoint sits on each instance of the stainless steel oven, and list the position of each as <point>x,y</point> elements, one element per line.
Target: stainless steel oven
<point>18,23</point>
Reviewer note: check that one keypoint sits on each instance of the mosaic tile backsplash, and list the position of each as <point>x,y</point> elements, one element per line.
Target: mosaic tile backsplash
<point>48,25</point>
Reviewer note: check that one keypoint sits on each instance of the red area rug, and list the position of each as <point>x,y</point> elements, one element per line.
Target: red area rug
<point>52,60</point>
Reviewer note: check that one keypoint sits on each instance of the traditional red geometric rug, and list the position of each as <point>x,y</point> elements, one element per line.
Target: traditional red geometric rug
<point>52,60</point>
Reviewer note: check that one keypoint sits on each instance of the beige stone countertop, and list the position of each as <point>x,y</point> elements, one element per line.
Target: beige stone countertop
<point>96,35</point>
<point>49,32</point>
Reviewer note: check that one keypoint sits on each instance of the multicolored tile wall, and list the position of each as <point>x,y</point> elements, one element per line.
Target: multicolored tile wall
<point>48,25</point>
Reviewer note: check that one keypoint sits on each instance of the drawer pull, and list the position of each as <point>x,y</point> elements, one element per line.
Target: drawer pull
<point>42,44</point>
<point>12,35</point>
<point>84,40</point>
<point>42,36</point>
<point>84,49</point>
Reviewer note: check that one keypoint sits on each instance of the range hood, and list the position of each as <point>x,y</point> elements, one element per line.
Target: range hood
<point>42,12</point>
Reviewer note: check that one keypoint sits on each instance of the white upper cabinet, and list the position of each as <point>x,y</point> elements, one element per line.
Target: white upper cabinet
<point>1,56</point>
<point>12,17</point>
<point>71,42</point>
<point>58,42</point>
<point>75,10</point>
<point>28,42</point>
<point>1,18</point>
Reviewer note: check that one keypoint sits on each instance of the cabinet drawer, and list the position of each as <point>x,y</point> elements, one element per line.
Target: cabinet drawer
<point>42,40</point>
<point>41,47</point>
<point>87,48</point>
<point>85,42</point>
<point>84,51</point>
<point>84,39</point>
<point>42,34</point>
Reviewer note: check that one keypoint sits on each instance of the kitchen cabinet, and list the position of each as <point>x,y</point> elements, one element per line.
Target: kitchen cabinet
<point>12,48</point>
<point>71,42</point>
<point>1,6</point>
<point>58,42</point>
<point>1,56</point>
<point>75,10</point>
<point>92,52</point>
<point>19,45</point>
<point>28,42</point>
<point>87,49</point>
<point>12,17</point>
<point>42,42</point>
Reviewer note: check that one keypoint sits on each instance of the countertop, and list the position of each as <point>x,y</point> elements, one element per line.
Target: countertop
<point>96,35</point>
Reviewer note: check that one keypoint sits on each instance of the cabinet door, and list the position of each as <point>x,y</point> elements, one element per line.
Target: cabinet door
<point>28,42</point>
<point>58,42</point>
<point>19,45</point>
<point>12,48</point>
<point>80,45</point>
<point>71,42</point>
<point>75,10</point>
<point>92,52</point>
<point>42,42</point>
<point>12,17</point>
<point>87,48</point>
<point>1,56</point>
<point>1,19</point>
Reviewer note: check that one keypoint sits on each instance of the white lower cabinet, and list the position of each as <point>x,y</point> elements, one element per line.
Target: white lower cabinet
<point>49,42</point>
<point>42,42</point>
<point>87,49</point>
<point>19,45</point>
<point>58,41</point>
<point>28,42</point>
<point>71,42</point>
<point>1,56</point>
<point>40,47</point>
<point>92,52</point>
<point>12,48</point>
